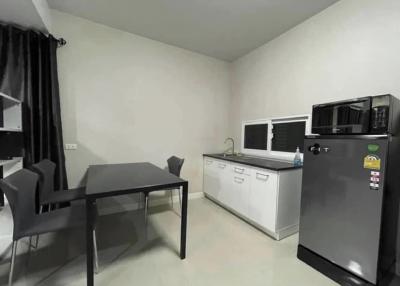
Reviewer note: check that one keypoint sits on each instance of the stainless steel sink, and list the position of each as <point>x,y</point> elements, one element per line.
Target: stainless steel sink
<point>235,156</point>
<point>228,155</point>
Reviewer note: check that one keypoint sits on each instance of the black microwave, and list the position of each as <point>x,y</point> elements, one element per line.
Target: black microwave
<point>366,115</point>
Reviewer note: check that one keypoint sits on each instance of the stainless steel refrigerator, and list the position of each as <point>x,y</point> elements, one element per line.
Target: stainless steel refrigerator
<point>350,196</point>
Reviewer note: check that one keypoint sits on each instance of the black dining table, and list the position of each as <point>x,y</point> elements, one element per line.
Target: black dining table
<point>110,180</point>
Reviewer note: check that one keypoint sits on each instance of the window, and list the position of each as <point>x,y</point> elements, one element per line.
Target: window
<point>256,136</point>
<point>275,137</point>
<point>288,136</point>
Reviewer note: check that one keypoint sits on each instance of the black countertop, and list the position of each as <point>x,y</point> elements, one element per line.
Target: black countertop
<point>256,162</point>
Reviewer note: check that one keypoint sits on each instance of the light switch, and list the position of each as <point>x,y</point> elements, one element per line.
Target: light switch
<point>71,146</point>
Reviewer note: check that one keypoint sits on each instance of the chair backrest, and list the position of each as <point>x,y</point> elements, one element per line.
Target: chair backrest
<point>175,165</point>
<point>20,188</point>
<point>45,170</point>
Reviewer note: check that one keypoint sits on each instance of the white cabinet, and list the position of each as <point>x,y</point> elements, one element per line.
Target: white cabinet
<point>210,177</point>
<point>263,198</point>
<point>268,199</point>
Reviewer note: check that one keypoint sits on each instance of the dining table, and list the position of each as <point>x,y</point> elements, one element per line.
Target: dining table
<point>109,180</point>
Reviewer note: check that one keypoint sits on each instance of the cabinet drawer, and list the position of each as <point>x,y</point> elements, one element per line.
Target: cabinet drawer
<point>221,165</point>
<point>218,164</point>
<point>263,175</point>
<point>240,169</point>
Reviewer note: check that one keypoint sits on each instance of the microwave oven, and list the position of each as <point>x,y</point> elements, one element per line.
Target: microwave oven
<point>366,115</point>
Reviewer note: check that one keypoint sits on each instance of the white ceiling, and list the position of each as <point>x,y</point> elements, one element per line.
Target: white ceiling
<point>224,29</point>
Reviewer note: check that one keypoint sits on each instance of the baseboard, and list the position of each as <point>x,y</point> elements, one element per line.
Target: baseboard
<point>273,235</point>
<point>137,203</point>
<point>175,198</point>
<point>287,231</point>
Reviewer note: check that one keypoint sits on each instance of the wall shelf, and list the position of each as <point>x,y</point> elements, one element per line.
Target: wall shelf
<point>11,161</point>
<point>11,141</point>
<point>11,113</point>
<point>8,129</point>
<point>12,100</point>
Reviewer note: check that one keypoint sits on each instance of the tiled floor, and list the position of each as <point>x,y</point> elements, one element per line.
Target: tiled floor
<point>222,250</point>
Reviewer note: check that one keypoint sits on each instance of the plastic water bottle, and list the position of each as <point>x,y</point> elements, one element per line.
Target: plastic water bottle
<point>297,158</point>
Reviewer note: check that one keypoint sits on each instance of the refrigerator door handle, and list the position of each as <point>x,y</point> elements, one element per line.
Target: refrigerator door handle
<point>326,149</point>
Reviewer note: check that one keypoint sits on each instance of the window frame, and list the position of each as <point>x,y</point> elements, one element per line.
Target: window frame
<point>269,153</point>
<point>255,152</point>
<point>288,119</point>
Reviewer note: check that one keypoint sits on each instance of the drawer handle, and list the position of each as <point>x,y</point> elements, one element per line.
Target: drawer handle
<point>262,176</point>
<point>239,170</point>
<point>222,166</point>
<point>209,162</point>
<point>238,180</point>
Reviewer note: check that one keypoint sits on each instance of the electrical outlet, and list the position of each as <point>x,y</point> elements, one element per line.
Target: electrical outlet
<point>70,146</point>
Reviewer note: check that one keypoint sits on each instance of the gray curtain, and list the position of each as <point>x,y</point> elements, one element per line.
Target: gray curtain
<point>28,72</point>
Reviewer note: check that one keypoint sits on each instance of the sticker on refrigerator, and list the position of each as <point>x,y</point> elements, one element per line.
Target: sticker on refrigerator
<point>374,180</point>
<point>373,147</point>
<point>372,162</point>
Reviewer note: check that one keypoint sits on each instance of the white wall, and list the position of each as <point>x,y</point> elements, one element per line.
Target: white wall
<point>349,50</point>
<point>125,98</point>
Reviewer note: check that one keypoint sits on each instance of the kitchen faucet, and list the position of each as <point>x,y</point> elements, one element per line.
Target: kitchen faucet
<point>233,145</point>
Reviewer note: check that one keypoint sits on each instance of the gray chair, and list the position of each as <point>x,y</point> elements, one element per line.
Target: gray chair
<point>174,167</point>
<point>47,195</point>
<point>20,190</point>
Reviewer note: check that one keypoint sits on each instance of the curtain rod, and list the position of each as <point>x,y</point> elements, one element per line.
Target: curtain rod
<point>61,42</point>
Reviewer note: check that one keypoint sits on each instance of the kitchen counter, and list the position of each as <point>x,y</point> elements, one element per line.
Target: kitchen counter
<point>255,162</point>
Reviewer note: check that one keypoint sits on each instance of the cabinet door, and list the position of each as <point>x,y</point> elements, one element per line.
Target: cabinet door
<point>210,178</point>
<point>239,189</point>
<point>222,168</point>
<point>263,198</point>
<point>215,181</point>
<point>240,194</point>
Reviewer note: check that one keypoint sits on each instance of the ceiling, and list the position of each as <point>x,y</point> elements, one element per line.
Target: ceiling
<point>224,29</point>
<point>24,13</point>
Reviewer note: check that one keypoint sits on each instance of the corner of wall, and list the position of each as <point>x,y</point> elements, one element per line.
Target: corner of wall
<point>43,10</point>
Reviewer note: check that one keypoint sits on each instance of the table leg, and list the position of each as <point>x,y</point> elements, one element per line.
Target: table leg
<point>184,219</point>
<point>1,199</point>
<point>89,241</point>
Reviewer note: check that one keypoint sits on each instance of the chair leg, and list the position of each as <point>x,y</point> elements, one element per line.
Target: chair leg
<point>171,197</point>
<point>96,256</point>
<point>146,207</point>
<point>30,244</point>
<point>13,254</point>
<point>37,236</point>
